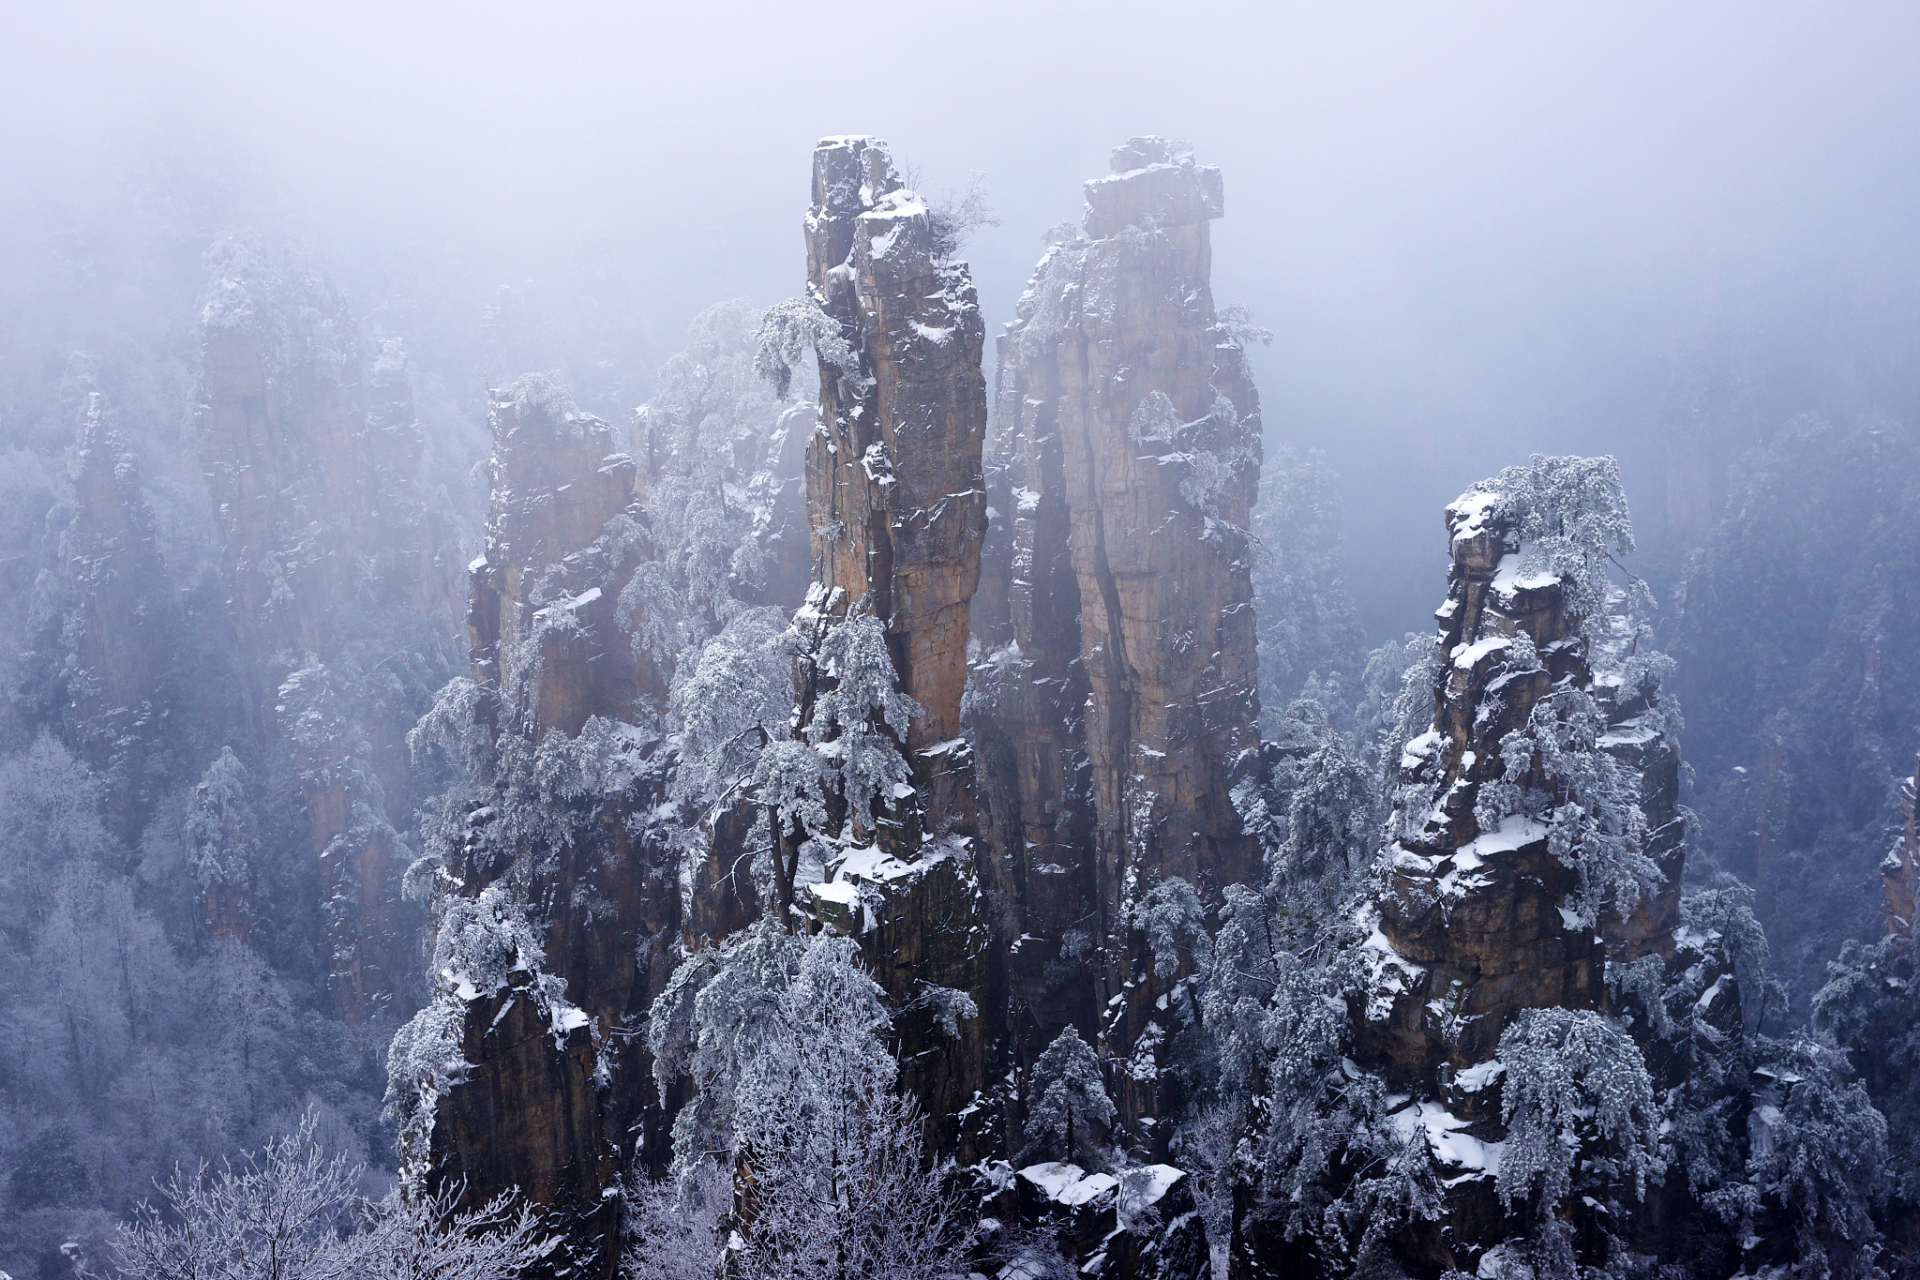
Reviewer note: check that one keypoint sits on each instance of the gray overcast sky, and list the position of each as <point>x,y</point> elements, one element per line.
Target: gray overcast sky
<point>1476,230</point>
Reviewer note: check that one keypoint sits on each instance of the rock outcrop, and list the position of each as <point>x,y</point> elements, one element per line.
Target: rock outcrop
<point>559,901</point>
<point>1119,704</point>
<point>1543,796</point>
<point>897,507</point>
<point>1473,922</point>
<point>894,488</point>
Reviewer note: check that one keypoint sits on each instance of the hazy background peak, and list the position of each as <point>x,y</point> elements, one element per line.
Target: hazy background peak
<point>1476,231</point>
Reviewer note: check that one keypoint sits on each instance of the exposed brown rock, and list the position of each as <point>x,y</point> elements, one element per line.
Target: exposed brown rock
<point>897,507</point>
<point>1126,710</point>
<point>1478,925</point>
<point>894,487</point>
<point>558,1098</point>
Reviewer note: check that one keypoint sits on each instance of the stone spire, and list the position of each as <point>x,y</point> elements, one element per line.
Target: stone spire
<point>897,507</point>
<point>1124,709</point>
<point>560,903</point>
<point>894,482</point>
<point>1542,794</point>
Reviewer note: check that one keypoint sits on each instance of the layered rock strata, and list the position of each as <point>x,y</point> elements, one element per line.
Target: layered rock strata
<point>897,508</point>
<point>1123,705</point>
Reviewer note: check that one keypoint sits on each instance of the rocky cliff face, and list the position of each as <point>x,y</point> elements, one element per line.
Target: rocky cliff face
<point>1543,797</point>
<point>1473,923</point>
<point>894,487</point>
<point>1119,708</point>
<point>897,507</point>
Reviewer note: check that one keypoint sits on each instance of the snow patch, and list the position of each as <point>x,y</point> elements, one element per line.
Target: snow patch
<point>1480,1075</point>
<point>1069,1184</point>
<point>1447,1139</point>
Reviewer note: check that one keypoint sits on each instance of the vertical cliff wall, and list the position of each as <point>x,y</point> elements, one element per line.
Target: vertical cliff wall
<point>894,484</point>
<point>897,507</point>
<point>1535,835</point>
<point>1120,705</point>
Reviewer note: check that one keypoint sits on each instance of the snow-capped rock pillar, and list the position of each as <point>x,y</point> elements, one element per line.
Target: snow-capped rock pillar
<point>897,508</point>
<point>1129,459</point>
<point>1540,799</point>
<point>894,487</point>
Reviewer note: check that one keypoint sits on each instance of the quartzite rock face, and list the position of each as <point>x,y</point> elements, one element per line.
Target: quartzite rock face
<point>557,1096</point>
<point>897,507</point>
<point>1125,705</point>
<point>1472,923</point>
<point>894,487</point>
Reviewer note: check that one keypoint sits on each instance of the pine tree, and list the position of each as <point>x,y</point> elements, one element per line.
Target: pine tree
<point>1071,1097</point>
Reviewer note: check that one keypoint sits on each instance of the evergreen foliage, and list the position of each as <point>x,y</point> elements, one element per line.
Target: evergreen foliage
<point>1069,1104</point>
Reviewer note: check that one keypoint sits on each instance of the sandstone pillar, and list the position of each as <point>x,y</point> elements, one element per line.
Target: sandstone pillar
<point>897,508</point>
<point>1128,452</point>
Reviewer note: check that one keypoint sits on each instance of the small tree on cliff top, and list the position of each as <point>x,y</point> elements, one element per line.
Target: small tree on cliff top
<point>1567,516</point>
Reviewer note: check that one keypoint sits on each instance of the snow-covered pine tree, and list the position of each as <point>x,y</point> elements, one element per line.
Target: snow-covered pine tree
<point>221,836</point>
<point>1069,1108</point>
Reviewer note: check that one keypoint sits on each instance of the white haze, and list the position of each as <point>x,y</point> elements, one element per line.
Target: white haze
<point>1476,231</point>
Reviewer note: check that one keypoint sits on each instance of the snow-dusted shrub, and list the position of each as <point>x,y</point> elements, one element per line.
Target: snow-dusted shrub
<point>1171,916</point>
<point>1566,517</point>
<point>731,702</point>
<point>794,1086</point>
<point>292,1212</point>
<point>861,718</point>
<point>220,831</point>
<point>1590,801</point>
<point>790,328</point>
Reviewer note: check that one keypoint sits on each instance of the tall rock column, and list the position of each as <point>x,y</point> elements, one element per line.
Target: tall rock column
<point>897,507</point>
<point>558,896</point>
<point>893,472</point>
<point>1539,801</point>
<point>1471,929</point>
<point>1130,460</point>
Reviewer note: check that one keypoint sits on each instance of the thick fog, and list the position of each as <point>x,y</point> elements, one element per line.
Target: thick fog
<point>1475,231</point>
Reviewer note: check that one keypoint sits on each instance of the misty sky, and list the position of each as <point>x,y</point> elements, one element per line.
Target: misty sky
<point>1476,231</point>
